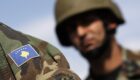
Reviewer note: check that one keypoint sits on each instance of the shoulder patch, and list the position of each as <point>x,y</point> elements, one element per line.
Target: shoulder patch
<point>23,54</point>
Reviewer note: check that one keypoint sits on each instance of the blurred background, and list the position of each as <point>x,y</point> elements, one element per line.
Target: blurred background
<point>36,17</point>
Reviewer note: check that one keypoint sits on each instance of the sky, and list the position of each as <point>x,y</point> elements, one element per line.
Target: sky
<point>36,17</point>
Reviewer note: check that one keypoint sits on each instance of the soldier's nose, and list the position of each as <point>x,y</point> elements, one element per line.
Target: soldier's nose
<point>81,30</point>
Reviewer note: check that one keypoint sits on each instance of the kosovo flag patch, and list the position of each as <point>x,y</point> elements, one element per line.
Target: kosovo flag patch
<point>23,54</point>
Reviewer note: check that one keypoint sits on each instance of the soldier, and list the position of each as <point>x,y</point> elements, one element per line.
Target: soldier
<point>90,26</point>
<point>23,57</point>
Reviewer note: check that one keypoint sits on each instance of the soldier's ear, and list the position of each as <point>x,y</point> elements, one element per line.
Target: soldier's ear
<point>112,26</point>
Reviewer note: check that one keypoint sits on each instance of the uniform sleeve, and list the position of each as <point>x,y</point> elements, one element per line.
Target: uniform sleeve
<point>49,64</point>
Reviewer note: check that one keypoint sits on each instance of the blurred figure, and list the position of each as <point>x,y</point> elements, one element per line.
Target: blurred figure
<point>23,57</point>
<point>90,26</point>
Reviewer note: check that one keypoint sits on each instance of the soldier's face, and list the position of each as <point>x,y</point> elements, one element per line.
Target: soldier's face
<point>87,37</point>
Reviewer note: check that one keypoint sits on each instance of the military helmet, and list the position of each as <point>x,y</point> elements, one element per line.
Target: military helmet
<point>66,9</point>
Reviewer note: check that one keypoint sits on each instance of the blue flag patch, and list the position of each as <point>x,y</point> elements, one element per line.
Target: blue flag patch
<point>23,54</point>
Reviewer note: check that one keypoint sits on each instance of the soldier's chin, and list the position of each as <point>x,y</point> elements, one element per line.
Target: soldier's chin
<point>89,49</point>
<point>91,53</point>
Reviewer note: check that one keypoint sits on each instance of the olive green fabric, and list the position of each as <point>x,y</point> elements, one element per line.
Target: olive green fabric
<point>130,68</point>
<point>68,8</point>
<point>50,65</point>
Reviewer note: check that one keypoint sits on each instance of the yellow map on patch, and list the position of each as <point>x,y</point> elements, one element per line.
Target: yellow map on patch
<point>24,54</point>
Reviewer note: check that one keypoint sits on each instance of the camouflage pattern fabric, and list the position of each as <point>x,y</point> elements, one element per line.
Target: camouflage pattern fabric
<point>50,65</point>
<point>130,69</point>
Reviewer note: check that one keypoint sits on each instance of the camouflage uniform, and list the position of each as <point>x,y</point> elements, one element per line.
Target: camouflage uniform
<point>130,69</point>
<point>50,65</point>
